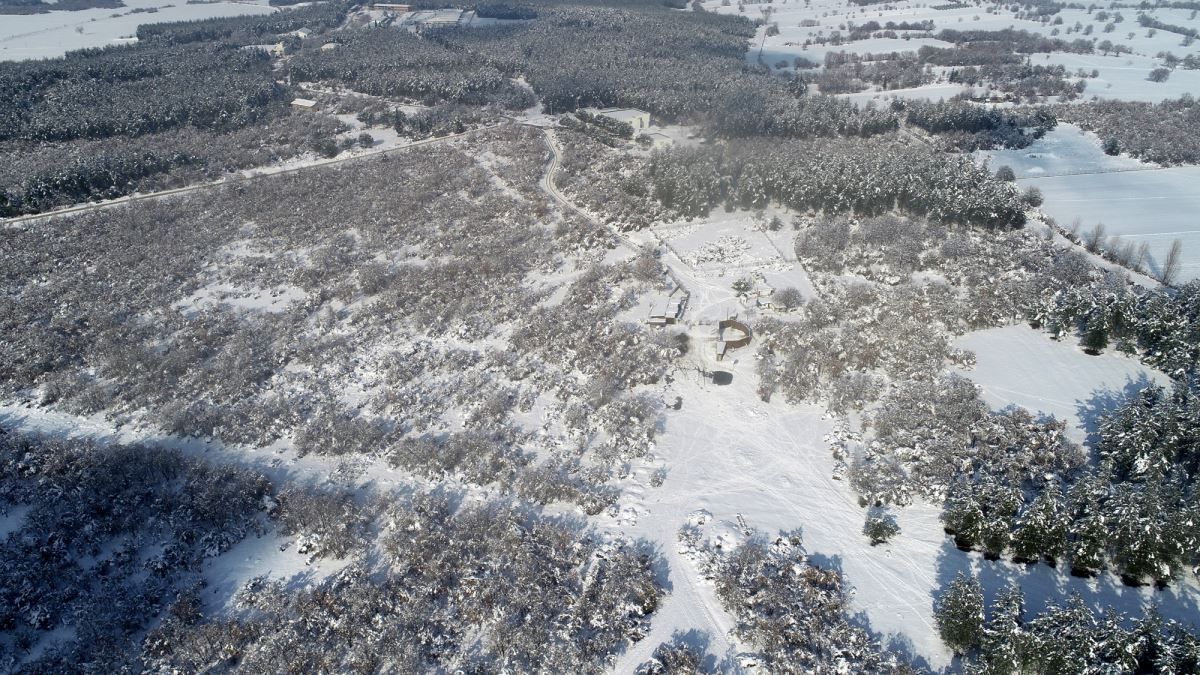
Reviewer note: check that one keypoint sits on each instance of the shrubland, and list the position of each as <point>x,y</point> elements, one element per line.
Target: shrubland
<point>251,312</point>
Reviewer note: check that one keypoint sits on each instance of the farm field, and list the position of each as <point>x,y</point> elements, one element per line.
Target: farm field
<point>1134,200</point>
<point>1156,207</point>
<point>40,36</point>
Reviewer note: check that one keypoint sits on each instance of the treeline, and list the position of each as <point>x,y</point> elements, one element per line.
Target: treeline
<point>1161,325</point>
<point>844,73</point>
<point>1022,80</point>
<point>1147,21</point>
<point>41,176</point>
<point>1000,58</point>
<point>1012,40</point>
<point>1134,512</point>
<point>969,127</point>
<point>1064,638</point>
<point>41,7</point>
<point>134,90</point>
<point>1015,487</point>
<point>869,177</point>
<point>503,11</point>
<point>318,16</point>
<point>1166,132</point>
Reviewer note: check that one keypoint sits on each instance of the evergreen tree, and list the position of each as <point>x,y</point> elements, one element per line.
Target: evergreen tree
<point>1095,334</point>
<point>959,614</point>
<point>961,513</point>
<point>1141,525</point>
<point>1062,640</point>
<point>1042,527</point>
<point>1000,502</point>
<point>1089,531</point>
<point>1004,634</point>
<point>880,526</point>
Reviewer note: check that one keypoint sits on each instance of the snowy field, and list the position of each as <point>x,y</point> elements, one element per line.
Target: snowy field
<point>1121,77</point>
<point>1017,365</point>
<point>1133,199</point>
<point>1065,150</point>
<point>39,36</point>
<point>1157,207</point>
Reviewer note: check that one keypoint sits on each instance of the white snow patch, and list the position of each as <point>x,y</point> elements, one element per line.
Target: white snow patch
<point>1017,365</point>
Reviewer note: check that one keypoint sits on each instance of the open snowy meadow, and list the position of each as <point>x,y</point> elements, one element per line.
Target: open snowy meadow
<point>40,36</point>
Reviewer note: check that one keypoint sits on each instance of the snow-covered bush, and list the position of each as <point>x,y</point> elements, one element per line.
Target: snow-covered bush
<point>484,587</point>
<point>794,613</point>
<point>880,526</point>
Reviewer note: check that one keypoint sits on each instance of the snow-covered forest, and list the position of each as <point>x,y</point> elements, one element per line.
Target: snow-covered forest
<point>630,336</point>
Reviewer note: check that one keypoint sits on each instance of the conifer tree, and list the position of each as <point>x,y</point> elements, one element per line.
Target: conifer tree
<point>1063,639</point>
<point>959,614</point>
<point>1000,502</point>
<point>1095,333</point>
<point>1004,633</point>
<point>1042,527</point>
<point>961,514</point>
<point>1089,530</point>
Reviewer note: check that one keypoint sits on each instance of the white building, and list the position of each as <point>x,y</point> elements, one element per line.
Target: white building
<point>638,119</point>
<point>304,104</point>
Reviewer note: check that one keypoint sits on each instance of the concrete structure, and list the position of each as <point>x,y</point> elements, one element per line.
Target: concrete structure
<point>392,7</point>
<point>731,334</point>
<point>433,19</point>
<point>658,141</point>
<point>329,45</point>
<point>668,309</point>
<point>304,104</point>
<point>638,119</point>
<point>302,33</point>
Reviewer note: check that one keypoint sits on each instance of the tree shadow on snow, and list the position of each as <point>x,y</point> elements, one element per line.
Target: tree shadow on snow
<point>894,643</point>
<point>1046,586</point>
<point>1103,402</point>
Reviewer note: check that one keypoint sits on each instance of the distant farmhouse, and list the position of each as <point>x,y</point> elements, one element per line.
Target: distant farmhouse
<point>638,119</point>
<point>433,19</point>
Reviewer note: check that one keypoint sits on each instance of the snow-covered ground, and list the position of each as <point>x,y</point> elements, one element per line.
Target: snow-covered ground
<point>39,36</point>
<point>1133,199</point>
<point>728,454</point>
<point>1121,76</point>
<point>1066,149</point>
<point>1157,207</point>
<point>1016,365</point>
